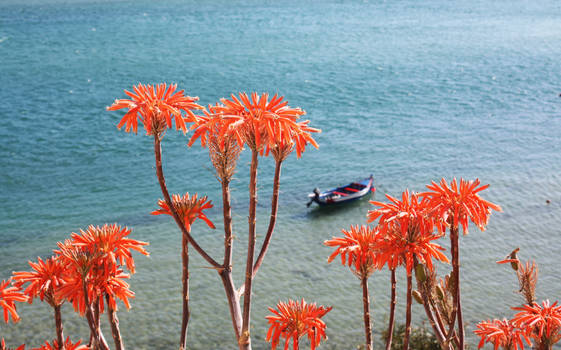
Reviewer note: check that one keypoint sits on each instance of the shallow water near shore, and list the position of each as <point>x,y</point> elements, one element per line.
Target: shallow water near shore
<point>408,91</point>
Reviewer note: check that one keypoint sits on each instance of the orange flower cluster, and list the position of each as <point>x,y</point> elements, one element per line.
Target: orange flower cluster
<point>405,235</point>
<point>83,270</point>
<point>93,258</point>
<point>9,294</point>
<point>295,319</point>
<point>456,204</point>
<point>68,345</point>
<point>542,322</point>
<point>3,346</point>
<point>188,208</point>
<point>262,124</point>
<point>111,242</point>
<point>211,125</point>
<point>156,107</point>
<point>406,229</point>
<point>357,249</point>
<point>43,280</point>
<point>501,333</point>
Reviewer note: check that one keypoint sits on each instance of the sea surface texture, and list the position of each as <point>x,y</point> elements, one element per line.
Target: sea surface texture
<point>409,91</point>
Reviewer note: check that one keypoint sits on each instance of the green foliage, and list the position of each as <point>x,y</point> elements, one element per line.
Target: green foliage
<point>420,338</point>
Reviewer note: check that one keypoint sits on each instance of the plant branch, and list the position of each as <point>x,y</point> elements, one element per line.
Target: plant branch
<point>114,321</point>
<point>233,302</point>
<point>185,291</point>
<point>454,236</point>
<point>451,335</point>
<point>392,311</point>
<point>272,219</point>
<point>59,327</point>
<point>228,236</point>
<point>408,312</point>
<point>366,311</point>
<point>226,273</point>
<point>97,317</point>
<point>94,336</point>
<point>424,288</point>
<point>167,198</point>
<point>250,250</point>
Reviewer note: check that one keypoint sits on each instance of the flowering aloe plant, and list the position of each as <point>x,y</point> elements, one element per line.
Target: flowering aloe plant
<point>4,347</point>
<point>266,125</point>
<point>455,205</point>
<point>358,250</point>
<point>44,282</point>
<point>293,320</point>
<point>407,240</point>
<point>68,345</point>
<point>502,334</point>
<point>541,322</point>
<point>9,294</point>
<point>188,208</point>
<point>93,260</point>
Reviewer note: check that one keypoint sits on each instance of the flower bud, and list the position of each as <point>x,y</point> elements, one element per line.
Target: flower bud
<point>452,283</point>
<point>420,272</point>
<point>440,292</point>
<point>417,296</point>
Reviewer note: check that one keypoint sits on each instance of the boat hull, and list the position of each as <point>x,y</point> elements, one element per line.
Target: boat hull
<point>344,194</point>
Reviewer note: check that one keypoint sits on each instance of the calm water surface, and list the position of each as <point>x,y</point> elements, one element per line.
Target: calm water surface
<point>409,91</point>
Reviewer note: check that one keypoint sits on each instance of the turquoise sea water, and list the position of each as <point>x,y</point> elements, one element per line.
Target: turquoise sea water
<point>409,91</point>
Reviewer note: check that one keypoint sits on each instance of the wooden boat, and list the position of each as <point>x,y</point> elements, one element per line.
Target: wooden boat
<point>343,194</point>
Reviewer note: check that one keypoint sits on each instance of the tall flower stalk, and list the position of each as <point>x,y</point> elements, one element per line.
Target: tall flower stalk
<point>189,208</point>
<point>93,261</point>
<point>262,125</point>
<point>455,205</point>
<point>265,126</point>
<point>44,282</point>
<point>357,249</point>
<point>186,239</point>
<point>224,152</point>
<point>393,301</point>
<point>407,234</point>
<point>157,107</point>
